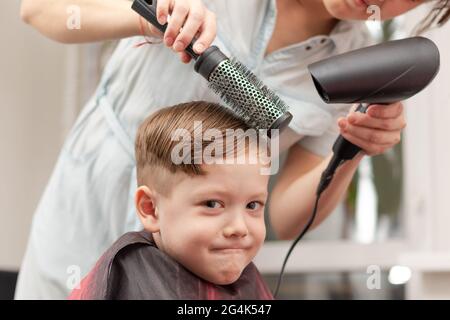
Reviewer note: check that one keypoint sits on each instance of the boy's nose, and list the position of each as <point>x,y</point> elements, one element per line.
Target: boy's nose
<point>236,227</point>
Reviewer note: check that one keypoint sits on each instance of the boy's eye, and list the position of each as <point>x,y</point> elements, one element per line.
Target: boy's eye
<point>213,204</point>
<point>254,205</point>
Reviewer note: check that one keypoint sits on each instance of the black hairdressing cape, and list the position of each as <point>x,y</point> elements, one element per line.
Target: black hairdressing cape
<point>134,268</point>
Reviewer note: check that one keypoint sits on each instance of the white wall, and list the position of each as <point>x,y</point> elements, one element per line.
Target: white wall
<point>31,99</point>
<point>427,154</point>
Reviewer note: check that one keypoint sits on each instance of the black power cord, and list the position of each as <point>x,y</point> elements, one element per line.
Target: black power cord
<point>326,178</point>
<point>343,150</point>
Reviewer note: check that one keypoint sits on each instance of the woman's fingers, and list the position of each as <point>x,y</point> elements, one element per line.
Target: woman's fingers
<point>207,33</point>
<point>368,148</point>
<point>186,20</point>
<point>375,131</point>
<point>177,18</point>
<point>371,135</point>
<point>366,120</point>
<point>385,112</point>
<point>162,10</point>
<point>192,23</point>
<point>185,57</point>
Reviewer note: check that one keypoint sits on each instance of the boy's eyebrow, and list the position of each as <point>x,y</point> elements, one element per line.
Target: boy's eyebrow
<point>211,191</point>
<point>224,193</point>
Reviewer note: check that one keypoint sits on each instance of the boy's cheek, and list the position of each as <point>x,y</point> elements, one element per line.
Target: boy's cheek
<point>259,235</point>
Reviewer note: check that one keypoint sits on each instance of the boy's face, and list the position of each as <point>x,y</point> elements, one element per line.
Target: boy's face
<point>214,224</point>
<point>357,9</point>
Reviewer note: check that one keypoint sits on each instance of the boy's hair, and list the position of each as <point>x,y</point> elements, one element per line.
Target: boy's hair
<point>155,140</point>
<point>438,16</point>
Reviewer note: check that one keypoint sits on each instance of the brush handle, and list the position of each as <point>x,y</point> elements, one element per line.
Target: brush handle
<point>147,9</point>
<point>344,149</point>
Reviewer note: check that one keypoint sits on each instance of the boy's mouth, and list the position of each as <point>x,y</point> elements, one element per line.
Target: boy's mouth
<point>231,248</point>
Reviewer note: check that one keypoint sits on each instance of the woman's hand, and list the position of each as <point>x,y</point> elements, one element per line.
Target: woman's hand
<point>188,19</point>
<point>375,131</point>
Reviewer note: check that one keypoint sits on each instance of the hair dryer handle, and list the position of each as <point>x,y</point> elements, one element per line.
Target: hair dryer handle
<point>344,149</point>
<point>147,9</point>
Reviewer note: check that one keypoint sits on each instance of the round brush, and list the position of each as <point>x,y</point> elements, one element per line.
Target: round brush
<point>238,87</point>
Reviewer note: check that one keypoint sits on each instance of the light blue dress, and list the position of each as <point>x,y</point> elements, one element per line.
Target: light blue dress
<point>88,202</point>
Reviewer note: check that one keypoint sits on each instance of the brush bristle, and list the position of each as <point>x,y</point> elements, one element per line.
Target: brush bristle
<point>254,80</point>
<point>247,96</point>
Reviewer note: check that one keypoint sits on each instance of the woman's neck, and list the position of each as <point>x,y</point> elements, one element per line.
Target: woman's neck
<point>298,21</point>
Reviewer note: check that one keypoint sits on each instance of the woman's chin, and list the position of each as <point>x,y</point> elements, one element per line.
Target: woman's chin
<point>341,10</point>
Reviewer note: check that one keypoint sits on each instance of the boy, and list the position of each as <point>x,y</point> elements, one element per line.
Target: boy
<point>203,223</point>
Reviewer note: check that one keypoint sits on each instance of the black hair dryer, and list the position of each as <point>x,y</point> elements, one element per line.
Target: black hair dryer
<point>381,74</point>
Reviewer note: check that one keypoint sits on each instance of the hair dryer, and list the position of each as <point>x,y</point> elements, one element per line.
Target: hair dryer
<point>381,74</point>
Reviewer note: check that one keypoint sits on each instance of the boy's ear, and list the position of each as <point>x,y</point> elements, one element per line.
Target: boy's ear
<point>146,209</point>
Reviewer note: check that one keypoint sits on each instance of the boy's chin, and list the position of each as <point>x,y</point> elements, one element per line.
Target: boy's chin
<point>223,279</point>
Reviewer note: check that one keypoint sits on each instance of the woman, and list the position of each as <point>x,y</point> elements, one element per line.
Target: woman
<point>88,202</point>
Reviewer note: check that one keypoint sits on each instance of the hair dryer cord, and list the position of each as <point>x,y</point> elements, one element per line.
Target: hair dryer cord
<point>325,180</point>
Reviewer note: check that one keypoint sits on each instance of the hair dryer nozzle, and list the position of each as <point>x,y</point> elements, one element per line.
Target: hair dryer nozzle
<point>384,73</point>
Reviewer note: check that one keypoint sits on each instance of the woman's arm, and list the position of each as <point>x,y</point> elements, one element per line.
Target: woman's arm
<point>294,194</point>
<point>99,19</point>
<point>114,19</point>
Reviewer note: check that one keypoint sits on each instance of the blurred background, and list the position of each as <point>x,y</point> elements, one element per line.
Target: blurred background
<point>389,239</point>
